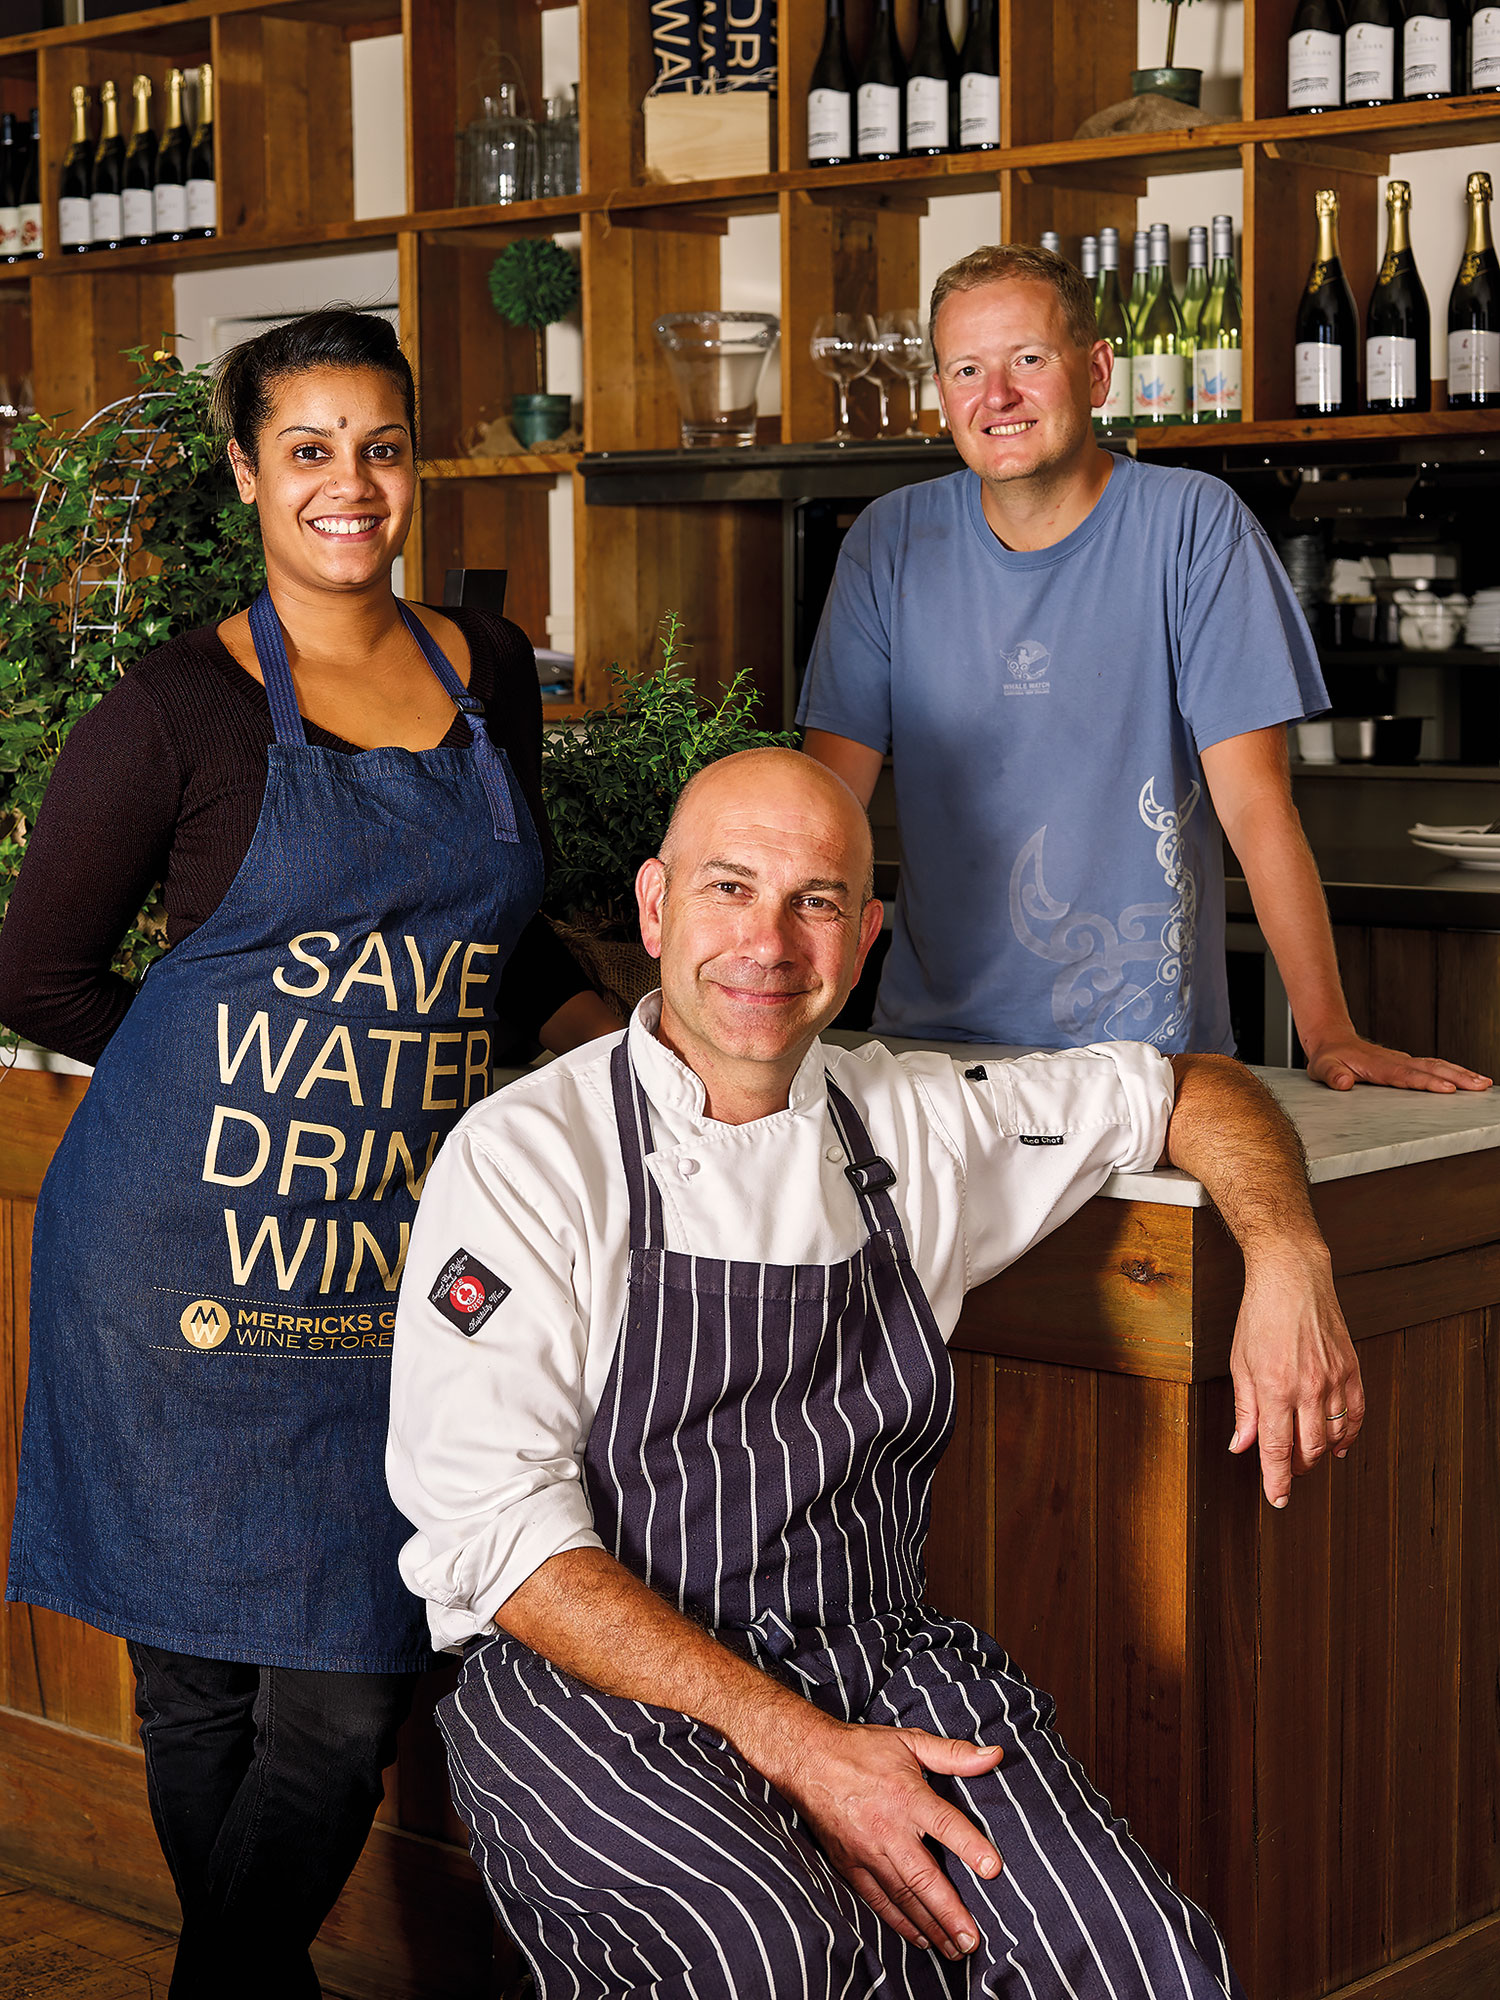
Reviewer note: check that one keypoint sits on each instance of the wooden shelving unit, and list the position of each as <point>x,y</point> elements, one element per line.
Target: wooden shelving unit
<point>848,239</point>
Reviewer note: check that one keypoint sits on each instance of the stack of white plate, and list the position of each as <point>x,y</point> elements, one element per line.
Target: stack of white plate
<point>1482,628</point>
<point>1469,846</point>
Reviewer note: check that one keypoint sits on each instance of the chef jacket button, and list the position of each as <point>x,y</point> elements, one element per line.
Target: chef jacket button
<point>687,1168</point>
<point>834,1155</point>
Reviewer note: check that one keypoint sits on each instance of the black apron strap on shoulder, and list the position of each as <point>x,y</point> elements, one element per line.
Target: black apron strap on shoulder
<point>870,1176</point>
<point>633,1117</point>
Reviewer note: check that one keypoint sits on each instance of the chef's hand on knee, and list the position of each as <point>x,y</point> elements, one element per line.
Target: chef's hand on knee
<point>864,1792</point>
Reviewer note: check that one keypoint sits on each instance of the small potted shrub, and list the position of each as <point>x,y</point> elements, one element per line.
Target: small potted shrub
<point>610,781</point>
<point>535,283</point>
<point>1182,84</point>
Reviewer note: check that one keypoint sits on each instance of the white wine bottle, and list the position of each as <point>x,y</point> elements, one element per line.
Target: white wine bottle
<point>1427,49</point>
<point>106,205</point>
<point>138,202</point>
<point>169,199</point>
<point>1315,57</point>
<point>830,97</point>
<point>1217,359</point>
<point>1050,240</point>
<point>30,204</point>
<point>931,78</point>
<point>1474,312</point>
<point>882,79</point>
<point>1158,366</point>
<point>1327,351</point>
<point>202,180</point>
<point>979,79</point>
<point>1140,274</point>
<point>1370,40</point>
<point>1109,310</point>
<point>1484,49</point>
<point>1398,326</point>
<point>10,191</point>
<point>1194,298</point>
<point>75,228</point>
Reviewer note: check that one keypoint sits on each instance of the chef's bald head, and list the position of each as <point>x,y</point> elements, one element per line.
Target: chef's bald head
<point>784,783</point>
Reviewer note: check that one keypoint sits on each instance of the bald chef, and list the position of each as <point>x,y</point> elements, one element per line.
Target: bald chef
<point>670,1384</point>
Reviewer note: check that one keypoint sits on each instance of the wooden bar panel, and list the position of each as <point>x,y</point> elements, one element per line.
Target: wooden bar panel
<point>962,1547</point>
<point>1477,1889</point>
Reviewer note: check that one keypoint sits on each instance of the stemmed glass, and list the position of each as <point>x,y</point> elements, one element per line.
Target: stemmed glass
<point>890,361</point>
<point>903,338</point>
<point>843,347</point>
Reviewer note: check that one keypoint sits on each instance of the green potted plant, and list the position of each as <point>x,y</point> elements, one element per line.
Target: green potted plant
<point>610,781</point>
<point>138,534</point>
<point>1182,84</point>
<point>535,283</point>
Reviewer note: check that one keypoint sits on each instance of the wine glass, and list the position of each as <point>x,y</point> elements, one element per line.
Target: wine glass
<point>889,361</point>
<point>843,347</point>
<point>904,337</point>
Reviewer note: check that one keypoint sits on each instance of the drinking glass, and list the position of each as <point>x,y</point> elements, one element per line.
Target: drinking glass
<point>903,338</point>
<point>843,347</point>
<point>890,362</point>
<point>497,154</point>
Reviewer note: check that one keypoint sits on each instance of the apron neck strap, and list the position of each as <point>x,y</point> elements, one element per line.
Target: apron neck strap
<point>270,650</point>
<point>633,1116</point>
<point>871,1177</point>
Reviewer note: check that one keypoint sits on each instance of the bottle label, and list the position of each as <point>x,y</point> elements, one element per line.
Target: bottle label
<point>979,109</point>
<point>829,124</point>
<point>10,232</point>
<point>1427,53</point>
<point>879,116</point>
<point>1320,375</point>
<point>1484,46</point>
<point>169,207</point>
<point>202,204</point>
<point>138,211</point>
<point>107,221</point>
<point>1218,376</point>
<point>75,222</point>
<point>1369,63</point>
<point>1390,369</point>
<point>1473,363</point>
<point>926,113</point>
<point>31,229</point>
<point>1115,409</point>
<point>1158,386</point>
<point>1312,70</point>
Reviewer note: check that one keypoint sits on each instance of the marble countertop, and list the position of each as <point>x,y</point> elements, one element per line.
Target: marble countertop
<point>1345,1132</point>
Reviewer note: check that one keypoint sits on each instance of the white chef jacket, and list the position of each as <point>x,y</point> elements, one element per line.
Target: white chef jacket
<point>488,1428</point>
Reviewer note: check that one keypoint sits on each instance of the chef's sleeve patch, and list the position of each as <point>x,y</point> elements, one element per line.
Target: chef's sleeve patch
<point>467,1292</point>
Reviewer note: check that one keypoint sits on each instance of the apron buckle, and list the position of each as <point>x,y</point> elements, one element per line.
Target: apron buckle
<point>870,1176</point>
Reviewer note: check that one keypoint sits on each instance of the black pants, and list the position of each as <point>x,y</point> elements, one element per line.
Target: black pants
<point>263,1782</point>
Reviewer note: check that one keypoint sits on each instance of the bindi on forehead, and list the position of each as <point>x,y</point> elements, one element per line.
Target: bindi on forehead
<point>343,423</point>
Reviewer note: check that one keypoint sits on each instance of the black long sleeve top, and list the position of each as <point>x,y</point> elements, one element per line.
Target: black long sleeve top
<point>163,783</point>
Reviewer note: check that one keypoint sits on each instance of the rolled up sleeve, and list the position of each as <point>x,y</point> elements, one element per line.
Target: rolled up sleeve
<point>483,1455</point>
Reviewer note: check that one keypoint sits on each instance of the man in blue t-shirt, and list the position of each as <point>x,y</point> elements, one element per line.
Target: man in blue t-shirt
<point>1083,667</point>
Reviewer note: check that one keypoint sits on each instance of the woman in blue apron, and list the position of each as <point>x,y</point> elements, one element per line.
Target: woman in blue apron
<point>340,797</point>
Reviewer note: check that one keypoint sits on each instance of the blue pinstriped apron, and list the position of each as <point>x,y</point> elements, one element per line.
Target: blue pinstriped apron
<point>763,1457</point>
<point>220,1235</point>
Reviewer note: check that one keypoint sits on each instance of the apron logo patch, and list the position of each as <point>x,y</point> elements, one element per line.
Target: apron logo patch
<point>1042,1138</point>
<point>466,1293</point>
<point>204,1323</point>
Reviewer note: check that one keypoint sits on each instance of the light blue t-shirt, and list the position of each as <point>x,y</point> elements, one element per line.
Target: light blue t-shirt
<point>1062,874</point>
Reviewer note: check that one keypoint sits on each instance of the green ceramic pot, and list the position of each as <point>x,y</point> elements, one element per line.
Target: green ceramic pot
<point>536,419</point>
<point>1183,84</point>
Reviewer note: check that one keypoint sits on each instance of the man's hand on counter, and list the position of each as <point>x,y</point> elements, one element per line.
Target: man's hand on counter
<point>1343,1061</point>
<point>1297,1390</point>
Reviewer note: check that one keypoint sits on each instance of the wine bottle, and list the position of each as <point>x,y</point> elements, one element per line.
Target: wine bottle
<point>1158,367</point>
<point>1109,310</point>
<point>1052,241</point>
<point>1484,49</point>
<point>1327,354</point>
<point>1398,327</point>
<point>31,191</point>
<point>882,77</point>
<point>137,203</point>
<point>1194,297</point>
<point>830,97</point>
<point>1370,52</point>
<point>106,205</point>
<point>75,230</point>
<point>979,79</point>
<point>1217,358</point>
<point>1088,262</point>
<point>1141,262</point>
<point>1427,50</point>
<point>1474,312</point>
<point>1314,57</point>
<point>202,184</point>
<point>10,191</point>
<point>169,199</point>
<point>931,78</point>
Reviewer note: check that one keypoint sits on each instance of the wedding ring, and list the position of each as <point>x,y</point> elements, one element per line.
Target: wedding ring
<point>1337,1417</point>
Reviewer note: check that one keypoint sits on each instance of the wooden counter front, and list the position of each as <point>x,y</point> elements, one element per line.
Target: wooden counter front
<point>1299,1711</point>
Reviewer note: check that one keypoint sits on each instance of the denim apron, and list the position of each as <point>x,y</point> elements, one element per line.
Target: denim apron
<point>221,1233</point>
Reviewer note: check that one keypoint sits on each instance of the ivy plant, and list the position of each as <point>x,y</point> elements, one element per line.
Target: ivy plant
<point>174,539</point>
<point>610,781</point>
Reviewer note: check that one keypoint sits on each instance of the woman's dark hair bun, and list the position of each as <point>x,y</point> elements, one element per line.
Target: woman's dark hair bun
<point>338,336</point>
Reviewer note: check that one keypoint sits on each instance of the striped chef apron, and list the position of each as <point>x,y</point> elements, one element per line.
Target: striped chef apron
<point>763,1457</point>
